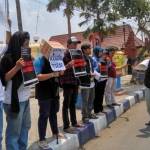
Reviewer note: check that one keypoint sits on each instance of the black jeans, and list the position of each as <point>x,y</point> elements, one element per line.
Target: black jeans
<point>70,96</point>
<point>99,95</point>
<point>47,110</point>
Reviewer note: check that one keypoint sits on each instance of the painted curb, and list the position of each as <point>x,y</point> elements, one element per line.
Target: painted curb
<point>95,126</point>
<point>71,141</point>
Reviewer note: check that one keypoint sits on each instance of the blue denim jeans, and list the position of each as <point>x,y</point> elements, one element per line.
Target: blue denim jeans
<point>18,126</point>
<point>1,123</point>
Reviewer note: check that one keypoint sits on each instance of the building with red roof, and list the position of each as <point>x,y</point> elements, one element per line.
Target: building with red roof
<point>123,38</point>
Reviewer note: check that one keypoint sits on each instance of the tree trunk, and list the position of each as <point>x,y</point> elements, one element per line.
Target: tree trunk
<point>69,25</point>
<point>18,9</point>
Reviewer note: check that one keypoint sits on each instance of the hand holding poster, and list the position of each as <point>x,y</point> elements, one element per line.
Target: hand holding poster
<point>28,72</point>
<point>79,63</point>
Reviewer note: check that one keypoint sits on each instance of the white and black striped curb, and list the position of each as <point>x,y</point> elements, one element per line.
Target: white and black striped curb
<point>95,126</point>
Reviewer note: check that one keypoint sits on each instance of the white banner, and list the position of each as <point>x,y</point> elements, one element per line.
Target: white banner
<point>56,59</point>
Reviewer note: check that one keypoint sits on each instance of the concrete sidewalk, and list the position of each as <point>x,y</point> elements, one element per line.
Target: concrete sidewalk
<point>91,130</point>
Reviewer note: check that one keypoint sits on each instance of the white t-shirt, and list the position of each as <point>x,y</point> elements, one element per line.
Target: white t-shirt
<point>3,48</point>
<point>23,93</point>
<point>1,92</point>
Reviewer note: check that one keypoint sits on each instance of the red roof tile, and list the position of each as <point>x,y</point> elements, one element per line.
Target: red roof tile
<point>116,39</point>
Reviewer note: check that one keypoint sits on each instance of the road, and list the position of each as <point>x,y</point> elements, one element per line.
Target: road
<point>127,133</point>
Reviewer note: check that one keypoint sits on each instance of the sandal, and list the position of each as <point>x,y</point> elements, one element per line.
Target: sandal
<point>78,125</point>
<point>59,135</point>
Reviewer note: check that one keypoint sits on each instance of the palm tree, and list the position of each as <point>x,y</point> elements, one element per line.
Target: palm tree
<point>69,5</point>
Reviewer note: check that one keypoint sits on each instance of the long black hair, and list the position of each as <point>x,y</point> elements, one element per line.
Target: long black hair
<point>16,42</point>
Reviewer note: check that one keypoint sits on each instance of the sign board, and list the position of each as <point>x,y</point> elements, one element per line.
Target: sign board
<point>56,54</point>
<point>56,60</point>
<point>103,69</point>
<point>79,63</point>
<point>28,71</point>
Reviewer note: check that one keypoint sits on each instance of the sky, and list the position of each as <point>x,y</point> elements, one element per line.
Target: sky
<point>49,24</point>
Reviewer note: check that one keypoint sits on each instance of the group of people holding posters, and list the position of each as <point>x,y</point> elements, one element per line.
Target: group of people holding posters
<point>71,70</point>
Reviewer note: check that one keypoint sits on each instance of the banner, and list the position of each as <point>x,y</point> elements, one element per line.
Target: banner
<point>56,59</point>
<point>28,71</point>
<point>79,63</point>
<point>103,69</point>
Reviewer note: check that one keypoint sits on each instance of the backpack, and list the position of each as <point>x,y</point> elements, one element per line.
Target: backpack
<point>147,76</point>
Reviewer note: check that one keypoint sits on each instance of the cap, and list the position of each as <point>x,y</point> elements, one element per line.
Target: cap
<point>73,39</point>
<point>98,49</point>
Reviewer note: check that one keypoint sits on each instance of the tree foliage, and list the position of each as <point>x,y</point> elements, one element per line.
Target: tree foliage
<point>69,6</point>
<point>100,15</point>
<point>135,9</point>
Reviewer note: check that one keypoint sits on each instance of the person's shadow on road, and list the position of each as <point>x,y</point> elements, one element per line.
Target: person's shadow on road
<point>145,132</point>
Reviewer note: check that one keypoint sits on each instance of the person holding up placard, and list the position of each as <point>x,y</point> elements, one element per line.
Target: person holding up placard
<point>100,65</point>
<point>1,112</point>
<point>87,85</point>
<point>47,93</point>
<point>70,88</point>
<point>16,102</point>
<point>1,102</point>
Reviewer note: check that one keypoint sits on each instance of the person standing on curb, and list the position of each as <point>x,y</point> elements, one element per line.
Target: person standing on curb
<point>87,85</point>
<point>147,84</point>
<point>47,93</point>
<point>110,85</point>
<point>1,112</point>
<point>1,101</point>
<point>16,102</point>
<point>100,65</point>
<point>69,84</point>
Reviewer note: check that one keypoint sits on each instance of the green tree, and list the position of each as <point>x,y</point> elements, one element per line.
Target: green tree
<point>139,10</point>
<point>99,15</point>
<point>69,6</point>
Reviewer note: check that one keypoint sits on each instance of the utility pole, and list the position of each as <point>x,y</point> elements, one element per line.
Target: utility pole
<point>18,9</point>
<point>7,22</point>
<point>8,15</point>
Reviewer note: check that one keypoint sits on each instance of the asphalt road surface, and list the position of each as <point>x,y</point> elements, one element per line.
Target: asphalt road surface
<point>127,133</point>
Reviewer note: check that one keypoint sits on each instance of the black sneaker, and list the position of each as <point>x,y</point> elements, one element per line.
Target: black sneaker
<point>147,124</point>
<point>70,130</point>
<point>85,120</point>
<point>93,116</point>
<point>109,106</point>
<point>115,104</point>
